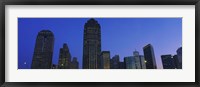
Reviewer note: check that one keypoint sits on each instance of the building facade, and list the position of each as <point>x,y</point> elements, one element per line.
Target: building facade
<point>176,62</point>
<point>91,45</point>
<point>105,60</point>
<point>179,55</point>
<point>142,62</point>
<point>130,62</point>
<point>122,65</point>
<point>168,62</point>
<point>64,57</point>
<point>114,62</point>
<point>74,63</point>
<point>137,59</point>
<point>149,57</point>
<point>43,51</point>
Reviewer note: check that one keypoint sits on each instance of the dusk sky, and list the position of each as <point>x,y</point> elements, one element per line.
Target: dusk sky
<point>120,36</point>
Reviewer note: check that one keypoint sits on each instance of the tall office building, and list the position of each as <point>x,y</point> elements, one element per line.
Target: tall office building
<point>105,60</point>
<point>43,51</point>
<point>149,57</point>
<point>130,62</point>
<point>176,62</point>
<point>137,60</point>
<point>74,63</point>
<point>179,55</point>
<point>168,62</point>
<point>64,57</point>
<point>91,44</point>
<point>142,62</point>
<point>114,62</point>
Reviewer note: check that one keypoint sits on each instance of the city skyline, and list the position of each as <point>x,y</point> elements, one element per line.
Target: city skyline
<point>166,21</point>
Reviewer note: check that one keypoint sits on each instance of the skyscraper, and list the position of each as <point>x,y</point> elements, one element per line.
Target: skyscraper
<point>130,62</point>
<point>142,62</point>
<point>91,44</point>
<point>137,59</point>
<point>74,63</point>
<point>179,55</point>
<point>176,62</point>
<point>43,51</point>
<point>114,62</point>
<point>64,57</point>
<point>149,57</point>
<point>168,61</point>
<point>105,60</point>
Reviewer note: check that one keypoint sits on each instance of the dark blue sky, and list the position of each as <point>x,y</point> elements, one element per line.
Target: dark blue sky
<point>119,36</point>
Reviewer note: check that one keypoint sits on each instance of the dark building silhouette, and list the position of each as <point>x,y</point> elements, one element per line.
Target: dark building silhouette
<point>168,61</point>
<point>114,62</point>
<point>105,60</point>
<point>122,65</point>
<point>176,62</point>
<point>179,55</point>
<point>91,45</point>
<point>74,63</point>
<point>43,51</point>
<point>149,57</point>
<point>64,57</point>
